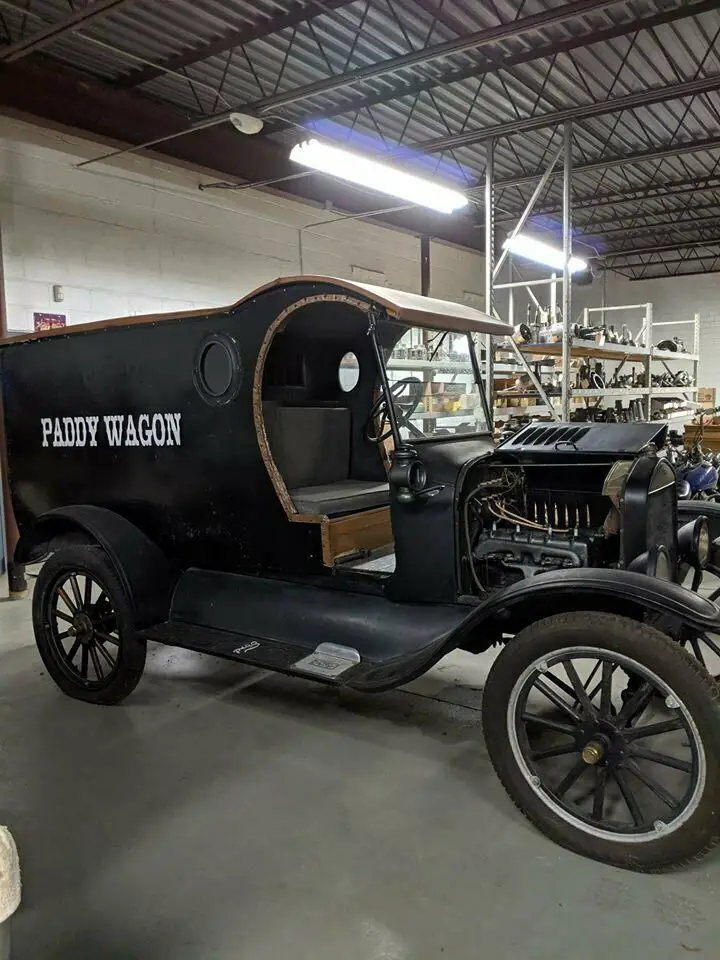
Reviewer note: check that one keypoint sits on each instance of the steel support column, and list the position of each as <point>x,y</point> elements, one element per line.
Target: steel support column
<point>567,253</point>
<point>490,274</point>
<point>425,265</point>
<point>489,266</point>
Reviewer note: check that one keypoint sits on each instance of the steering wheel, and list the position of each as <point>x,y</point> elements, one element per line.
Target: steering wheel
<point>404,407</point>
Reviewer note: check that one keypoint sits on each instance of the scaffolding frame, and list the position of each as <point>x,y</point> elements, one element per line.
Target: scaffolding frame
<point>493,267</point>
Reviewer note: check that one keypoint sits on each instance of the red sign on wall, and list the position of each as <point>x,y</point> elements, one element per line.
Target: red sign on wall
<point>49,321</point>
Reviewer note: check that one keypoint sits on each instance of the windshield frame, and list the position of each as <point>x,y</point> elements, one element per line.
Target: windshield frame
<point>383,358</point>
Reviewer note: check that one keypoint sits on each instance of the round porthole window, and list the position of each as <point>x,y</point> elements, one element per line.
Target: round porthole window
<point>218,369</point>
<point>349,372</point>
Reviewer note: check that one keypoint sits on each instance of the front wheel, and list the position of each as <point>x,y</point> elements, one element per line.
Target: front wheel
<point>84,627</point>
<point>629,780</point>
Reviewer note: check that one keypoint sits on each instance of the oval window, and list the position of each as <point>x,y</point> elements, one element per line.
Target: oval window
<point>349,372</point>
<point>218,370</point>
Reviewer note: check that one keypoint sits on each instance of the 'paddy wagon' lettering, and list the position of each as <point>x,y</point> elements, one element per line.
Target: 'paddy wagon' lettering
<point>118,430</point>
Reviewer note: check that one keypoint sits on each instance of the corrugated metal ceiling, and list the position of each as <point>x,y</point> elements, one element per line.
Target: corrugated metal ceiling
<point>591,57</point>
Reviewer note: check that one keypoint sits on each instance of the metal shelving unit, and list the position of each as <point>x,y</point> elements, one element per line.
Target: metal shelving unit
<point>642,353</point>
<point>433,366</point>
<point>619,353</point>
<point>582,348</point>
<point>427,371</point>
<point>665,357</point>
<point>610,392</point>
<point>672,391</point>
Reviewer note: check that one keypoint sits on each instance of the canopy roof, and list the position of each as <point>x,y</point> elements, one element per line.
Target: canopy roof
<point>412,308</point>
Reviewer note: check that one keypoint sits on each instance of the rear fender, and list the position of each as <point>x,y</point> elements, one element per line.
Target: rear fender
<point>142,568</point>
<point>613,591</point>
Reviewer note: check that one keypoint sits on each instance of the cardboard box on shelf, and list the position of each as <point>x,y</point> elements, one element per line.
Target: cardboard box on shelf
<point>706,397</point>
<point>711,436</point>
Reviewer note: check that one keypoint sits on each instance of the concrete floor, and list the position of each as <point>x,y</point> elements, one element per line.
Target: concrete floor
<point>222,813</point>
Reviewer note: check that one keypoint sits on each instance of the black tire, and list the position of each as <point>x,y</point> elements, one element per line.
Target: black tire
<point>705,649</point>
<point>84,627</point>
<point>691,701</point>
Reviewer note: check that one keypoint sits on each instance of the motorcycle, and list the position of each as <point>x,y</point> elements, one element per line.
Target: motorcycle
<point>697,470</point>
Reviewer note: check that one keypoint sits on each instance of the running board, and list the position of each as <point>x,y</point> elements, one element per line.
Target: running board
<point>330,662</point>
<point>324,632</point>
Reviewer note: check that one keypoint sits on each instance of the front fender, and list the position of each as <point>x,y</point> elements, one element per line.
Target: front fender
<point>584,588</point>
<point>141,566</point>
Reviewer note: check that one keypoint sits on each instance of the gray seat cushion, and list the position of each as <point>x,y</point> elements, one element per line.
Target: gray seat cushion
<point>344,496</point>
<point>310,445</point>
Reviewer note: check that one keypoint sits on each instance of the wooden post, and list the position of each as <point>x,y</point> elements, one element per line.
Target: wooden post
<point>17,583</point>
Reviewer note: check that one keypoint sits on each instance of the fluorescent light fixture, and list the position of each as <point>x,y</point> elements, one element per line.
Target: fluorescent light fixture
<point>539,252</point>
<point>377,176</point>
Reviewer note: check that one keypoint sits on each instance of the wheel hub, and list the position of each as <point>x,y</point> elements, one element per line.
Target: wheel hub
<point>82,627</point>
<point>601,743</point>
<point>593,752</point>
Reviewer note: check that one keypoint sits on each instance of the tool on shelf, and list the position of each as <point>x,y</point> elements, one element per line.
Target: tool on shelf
<point>674,345</point>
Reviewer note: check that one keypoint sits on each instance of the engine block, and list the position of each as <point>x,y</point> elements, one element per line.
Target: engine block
<point>519,528</point>
<point>528,553</point>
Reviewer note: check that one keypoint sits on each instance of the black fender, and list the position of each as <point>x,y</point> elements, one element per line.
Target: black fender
<point>583,588</point>
<point>142,568</point>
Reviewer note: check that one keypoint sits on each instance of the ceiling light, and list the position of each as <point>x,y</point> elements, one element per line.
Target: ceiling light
<point>246,124</point>
<point>531,249</point>
<point>377,176</point>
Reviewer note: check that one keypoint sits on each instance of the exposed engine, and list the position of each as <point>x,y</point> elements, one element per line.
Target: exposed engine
<point>516,525</point>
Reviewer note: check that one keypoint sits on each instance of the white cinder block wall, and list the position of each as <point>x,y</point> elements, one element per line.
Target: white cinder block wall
<point>137,236</point>
<point>679,298</point>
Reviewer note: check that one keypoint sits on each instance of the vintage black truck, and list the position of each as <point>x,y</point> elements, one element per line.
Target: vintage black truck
<point>307,481</point>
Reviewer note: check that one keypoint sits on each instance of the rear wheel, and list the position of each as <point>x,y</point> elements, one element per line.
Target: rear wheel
<point>84,627</point>
<point>632,781</point>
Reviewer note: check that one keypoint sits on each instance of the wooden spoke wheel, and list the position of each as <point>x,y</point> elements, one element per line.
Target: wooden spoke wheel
<point>606,734</point>
<point>83,626</point>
